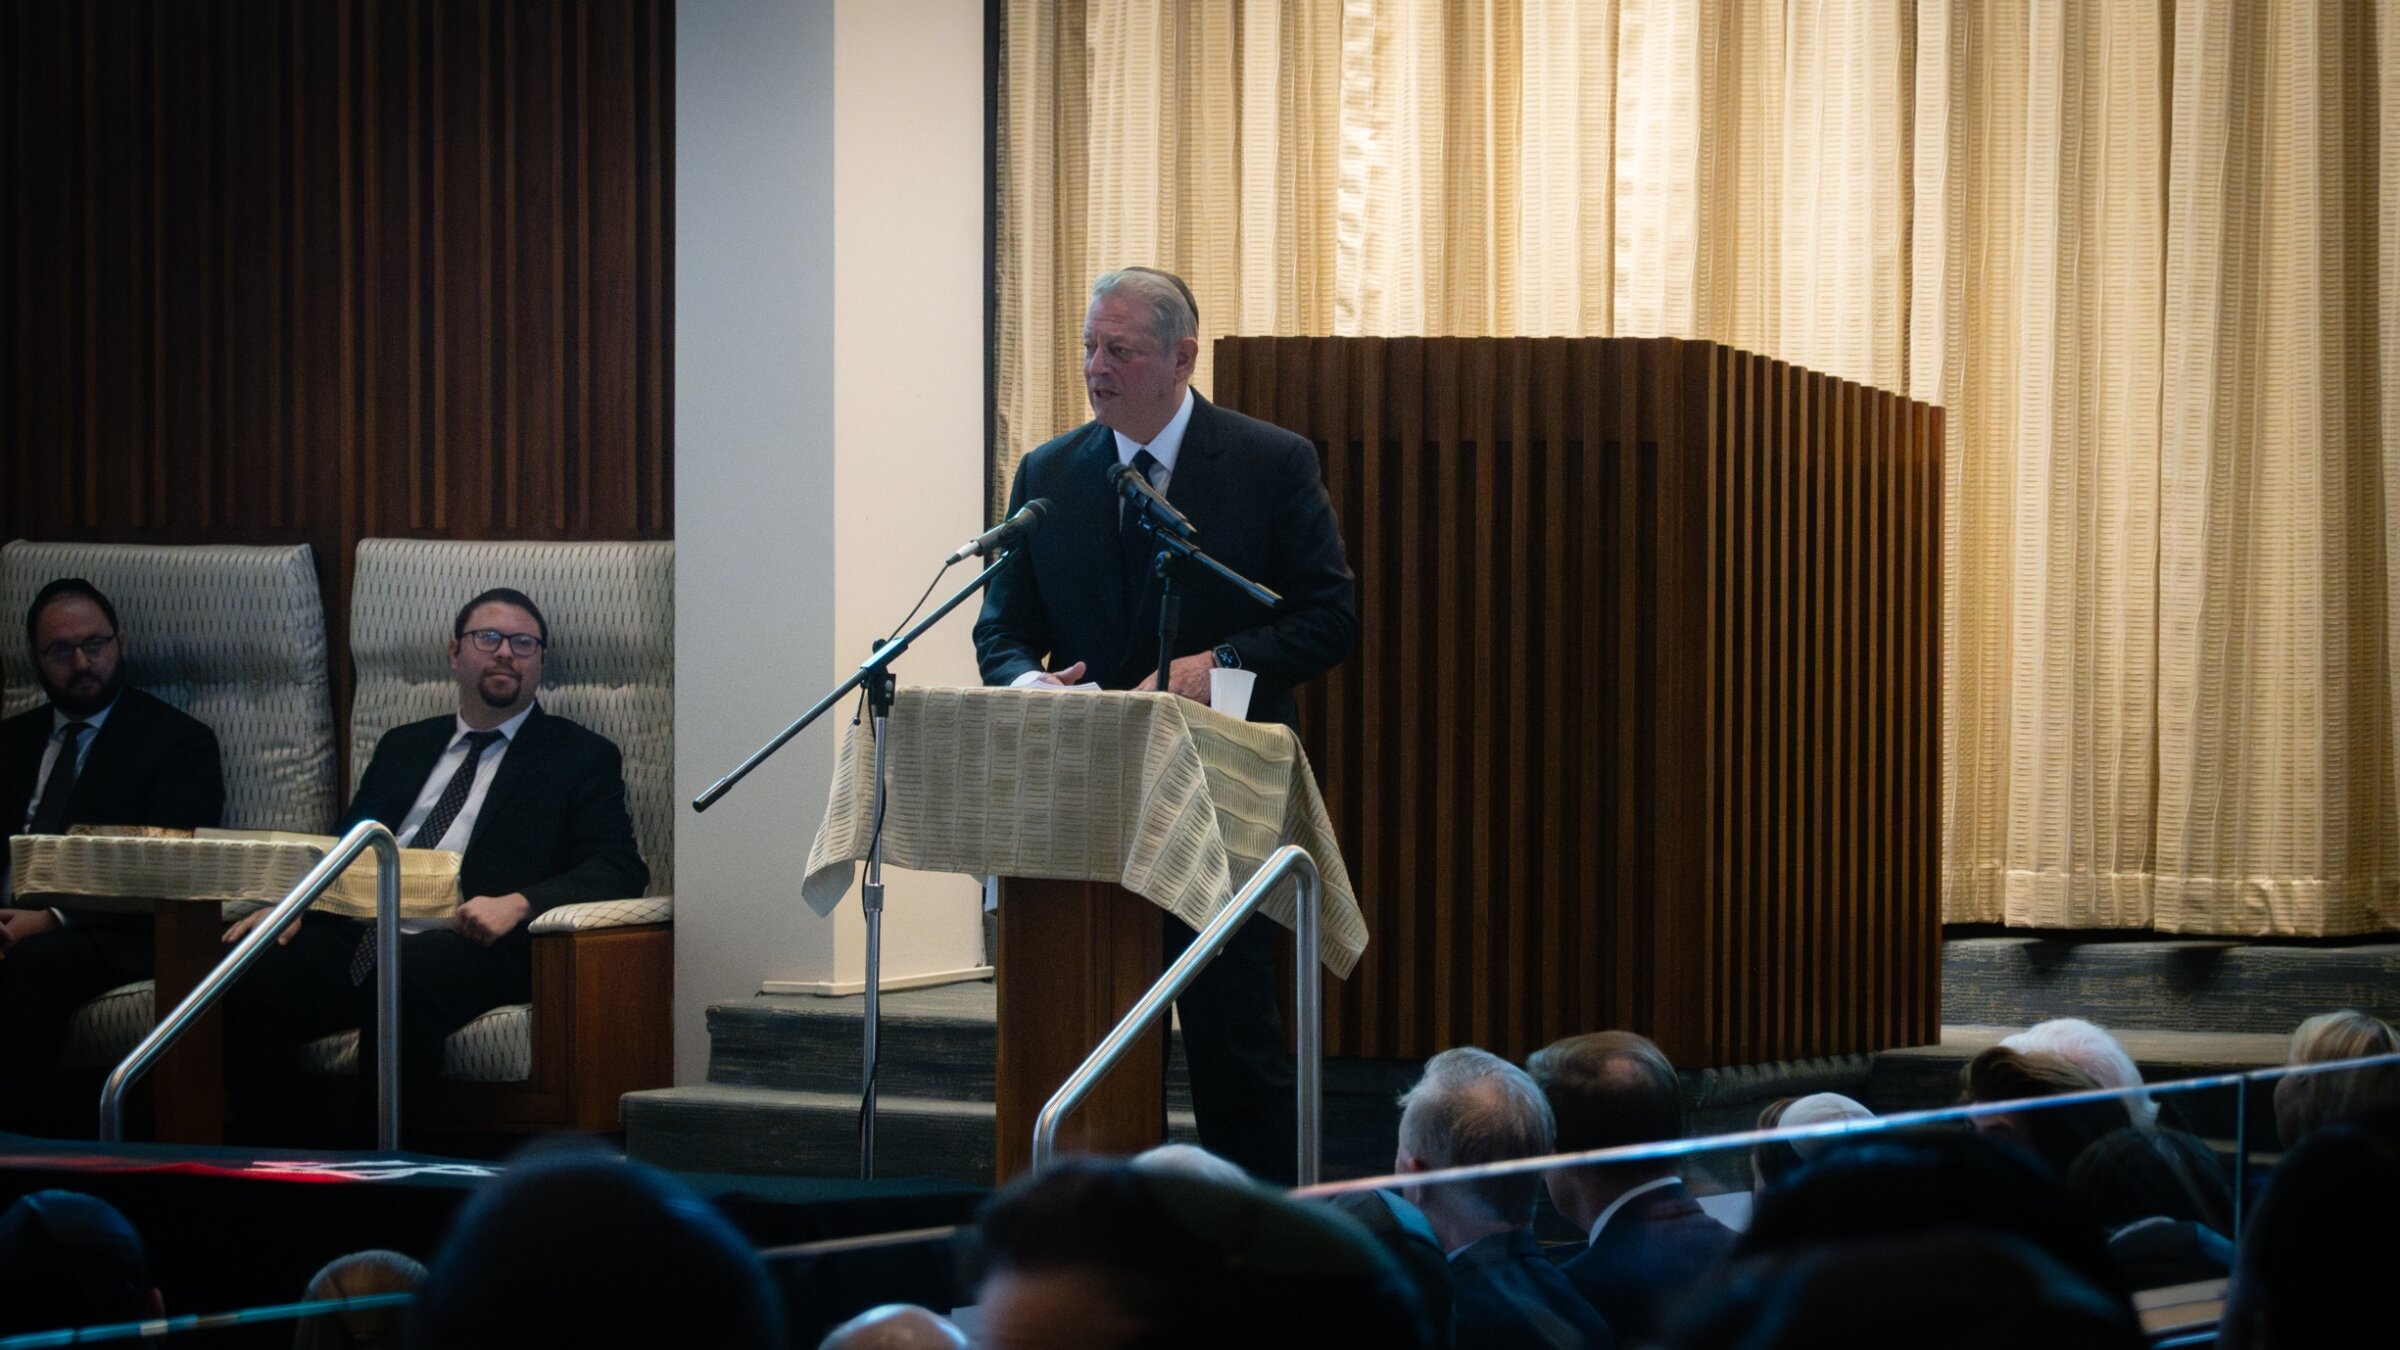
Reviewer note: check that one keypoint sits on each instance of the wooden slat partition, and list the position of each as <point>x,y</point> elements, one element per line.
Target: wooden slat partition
<point>1641,730</point>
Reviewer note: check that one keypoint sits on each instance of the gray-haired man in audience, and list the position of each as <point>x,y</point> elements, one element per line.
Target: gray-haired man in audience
<point>1470,1107</point>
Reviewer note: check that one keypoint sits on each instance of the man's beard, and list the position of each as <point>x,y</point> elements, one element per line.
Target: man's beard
<point>67,701</point>
<point>492,700</point>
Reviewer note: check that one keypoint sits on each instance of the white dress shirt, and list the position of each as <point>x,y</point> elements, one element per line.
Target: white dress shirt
<point>462,827</point>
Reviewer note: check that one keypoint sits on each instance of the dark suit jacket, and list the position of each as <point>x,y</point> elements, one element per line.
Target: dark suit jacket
<point>1508,1295</point>
<point>553,826</point>
<point>1255,493</point>
<point>1649,1252</point>
<point>151,764</point>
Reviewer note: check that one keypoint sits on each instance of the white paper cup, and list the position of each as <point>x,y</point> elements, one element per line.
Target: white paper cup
<point>1229,691</point>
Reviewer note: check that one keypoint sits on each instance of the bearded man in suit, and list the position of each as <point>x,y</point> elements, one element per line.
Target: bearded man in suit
<point>96,753</point>
<point>535,806</point>
<point>1081,604</point>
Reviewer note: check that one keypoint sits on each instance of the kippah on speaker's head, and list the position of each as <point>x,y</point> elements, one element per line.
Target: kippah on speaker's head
<point>1174,313</point>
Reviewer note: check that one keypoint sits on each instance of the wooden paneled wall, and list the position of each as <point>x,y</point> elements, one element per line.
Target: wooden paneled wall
<point>320,270</point>
<point>1641,730</point>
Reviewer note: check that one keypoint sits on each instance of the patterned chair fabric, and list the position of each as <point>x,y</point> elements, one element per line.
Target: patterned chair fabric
<point>234,636</point>
<point>494,1048</point>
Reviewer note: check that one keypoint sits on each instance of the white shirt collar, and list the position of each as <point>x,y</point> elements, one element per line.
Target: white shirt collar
<point>508,729</point>
<point>1619,1203</point>
<point>1167,444</point>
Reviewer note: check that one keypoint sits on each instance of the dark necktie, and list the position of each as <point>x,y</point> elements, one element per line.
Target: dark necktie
<point>1134,547</point>
<point>50,816</point>
<point>429,835</point>
<point>454,796</point>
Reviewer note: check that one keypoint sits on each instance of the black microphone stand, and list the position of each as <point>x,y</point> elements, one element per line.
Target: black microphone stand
<point>1173,548</point>
<point>876,674</point>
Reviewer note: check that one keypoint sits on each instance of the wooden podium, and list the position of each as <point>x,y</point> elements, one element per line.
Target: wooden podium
<point>1642,726</point>
<point>1074,957</point>
<point>1111,814</point>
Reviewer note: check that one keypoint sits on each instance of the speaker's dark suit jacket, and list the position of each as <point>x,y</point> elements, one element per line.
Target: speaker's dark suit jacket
<point>150,764</point>
<point>553,825</point>
<point>1659,1244</point>
<point>1508,1295</point>
<point>1256,495</point>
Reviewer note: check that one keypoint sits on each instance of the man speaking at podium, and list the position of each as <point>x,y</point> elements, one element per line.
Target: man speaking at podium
<point>1081,605</point>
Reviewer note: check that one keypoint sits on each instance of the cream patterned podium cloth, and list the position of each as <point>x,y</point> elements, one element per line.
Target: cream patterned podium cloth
<point>89,870</point>
<point>1178,804</point>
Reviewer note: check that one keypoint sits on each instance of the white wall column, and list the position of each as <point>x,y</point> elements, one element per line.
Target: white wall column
<point>829,393</point>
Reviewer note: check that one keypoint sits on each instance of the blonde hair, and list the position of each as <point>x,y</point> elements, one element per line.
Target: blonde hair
<point>2307,1100</point>
<point>2347,1034</point>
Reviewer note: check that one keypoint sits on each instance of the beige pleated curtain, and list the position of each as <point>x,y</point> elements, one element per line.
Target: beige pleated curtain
<point>2146,256</point>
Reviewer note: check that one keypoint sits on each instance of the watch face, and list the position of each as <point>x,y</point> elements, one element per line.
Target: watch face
<point>1228,657</point>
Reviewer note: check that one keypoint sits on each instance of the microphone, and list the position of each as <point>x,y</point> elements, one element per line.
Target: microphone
<point>1027,519</point>
<point>1130,482</point>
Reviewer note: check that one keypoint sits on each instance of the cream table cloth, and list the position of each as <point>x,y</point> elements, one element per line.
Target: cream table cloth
<point>1174,802</point>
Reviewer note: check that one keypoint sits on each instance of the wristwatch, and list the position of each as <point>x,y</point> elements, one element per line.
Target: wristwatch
<point>1228,657</point>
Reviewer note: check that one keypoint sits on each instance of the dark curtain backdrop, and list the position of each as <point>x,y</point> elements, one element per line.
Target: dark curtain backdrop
<point>319,270</point>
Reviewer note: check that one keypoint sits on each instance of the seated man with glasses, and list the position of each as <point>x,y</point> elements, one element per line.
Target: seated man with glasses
<point>535,804</point>
<point>96,753</point>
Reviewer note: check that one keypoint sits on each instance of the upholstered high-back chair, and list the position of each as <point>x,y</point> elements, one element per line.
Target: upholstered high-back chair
<point>233,635</point>
<point>602,973</point>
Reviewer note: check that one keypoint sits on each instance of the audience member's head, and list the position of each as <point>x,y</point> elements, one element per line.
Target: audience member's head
<point>896,1326</point>
<point>1949,1289</point>
<point>2055,1134</point>
<point>355,1276</point>
<point>1607,1089</point>
<point>1469,1107</point>
<point>78,648</point>
<point>2130,1175</point>
<point>2316,1256</point>
<point>71,1260</point>
<point>1894,1186</point>
<point>1776,1159</point>
<point>2304,1101</point>
<point>1096,1253</point>
<point>2162,1199</point>
<point>574,1247</point>
<point>2091,1049</point>
<point>1191,1160</point>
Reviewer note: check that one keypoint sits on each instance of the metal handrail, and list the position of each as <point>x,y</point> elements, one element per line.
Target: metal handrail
<point>363,836</point>
<point>1308,1006</point>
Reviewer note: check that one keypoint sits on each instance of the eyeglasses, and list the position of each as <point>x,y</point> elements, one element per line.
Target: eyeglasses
<point>520,645</point>
<point>60,653</point>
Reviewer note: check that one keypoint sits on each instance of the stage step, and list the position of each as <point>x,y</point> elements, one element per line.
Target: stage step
<point>782,1092</point>
<point>779,1132</point>
<point>2163,984</point>
<point>939,1044</point>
